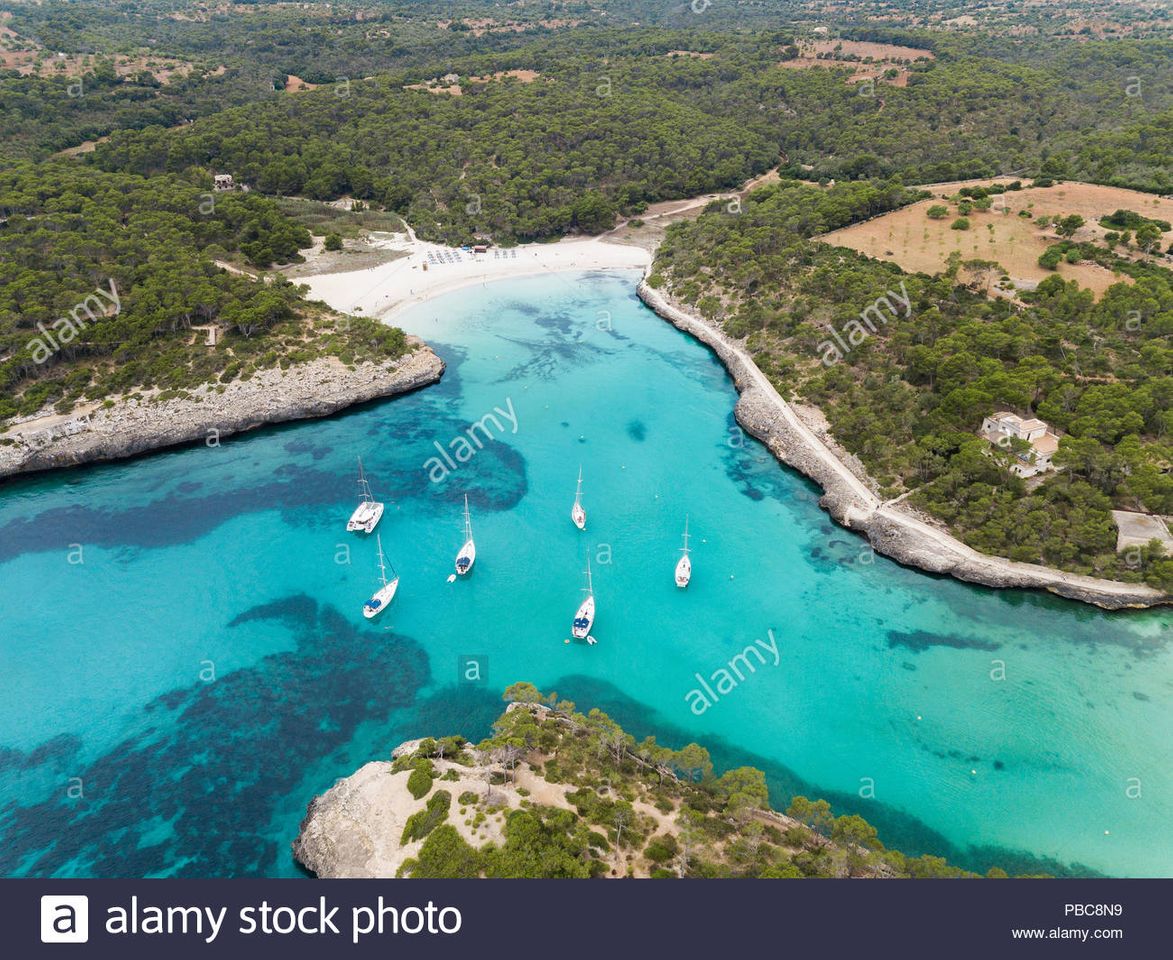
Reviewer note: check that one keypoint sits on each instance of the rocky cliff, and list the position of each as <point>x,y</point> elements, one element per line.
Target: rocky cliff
<point>131,425</point>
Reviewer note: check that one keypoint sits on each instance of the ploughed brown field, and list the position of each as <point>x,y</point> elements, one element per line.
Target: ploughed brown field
<point>918,244</point>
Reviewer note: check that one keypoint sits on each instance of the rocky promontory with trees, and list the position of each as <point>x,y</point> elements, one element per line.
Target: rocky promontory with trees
<point>557,793</point>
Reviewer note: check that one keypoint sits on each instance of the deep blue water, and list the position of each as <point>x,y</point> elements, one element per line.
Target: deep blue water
<point>174,700</point>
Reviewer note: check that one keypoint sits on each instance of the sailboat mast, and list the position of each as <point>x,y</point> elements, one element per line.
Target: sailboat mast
<point>467,520</point>
<point>686,533</point>
<point>590,589</point>
<point>382,564</point>
<point>363,486</point>
<point>578,491</point>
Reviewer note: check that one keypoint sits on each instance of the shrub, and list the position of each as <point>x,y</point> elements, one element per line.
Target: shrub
<point>445,856</point>
<point>333,241</point>
<point>468,798</point>
<point>961,223</point>
<point>661,849</point>
<point>776,872</point>
<point>1050,258</point>
<point>937,212</point>
<point>419,783</point>
<point>423,822</point>
<point>1131,220</point>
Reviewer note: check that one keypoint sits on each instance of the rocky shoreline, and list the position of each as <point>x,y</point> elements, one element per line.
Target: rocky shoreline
<point>318,388</point>
<point>355,829</point>
<point>892,530</point>
<point>377,821</point>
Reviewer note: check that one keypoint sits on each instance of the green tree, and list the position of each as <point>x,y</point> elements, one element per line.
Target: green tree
<point>815,814</point>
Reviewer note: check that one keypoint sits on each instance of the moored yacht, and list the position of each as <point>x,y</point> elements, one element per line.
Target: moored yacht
<point>369,511</point>
<point>684,564</point>
<point>584,617</point>
<point>468,553</point>
<point>577,513</point>
<point>386,593</point>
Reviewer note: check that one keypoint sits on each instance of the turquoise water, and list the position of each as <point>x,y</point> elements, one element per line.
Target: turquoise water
<point>173,701</point>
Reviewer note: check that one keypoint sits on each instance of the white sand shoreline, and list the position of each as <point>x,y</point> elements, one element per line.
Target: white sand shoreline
<point>387,290</point>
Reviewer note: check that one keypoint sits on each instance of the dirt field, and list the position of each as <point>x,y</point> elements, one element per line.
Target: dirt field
<point>908,237</point>
<point>453,89</point>
<point>875,59</point>
<point>886,52</point>
<point>525,76</point>
<point>32,60</point>
<point>294,84</point>
<point>86,146</point>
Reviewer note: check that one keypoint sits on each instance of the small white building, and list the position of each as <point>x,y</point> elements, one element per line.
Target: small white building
<point>223,181</point>
<point>999,428</point>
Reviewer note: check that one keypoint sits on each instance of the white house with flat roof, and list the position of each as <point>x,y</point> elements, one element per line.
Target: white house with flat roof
<point>999,428</point>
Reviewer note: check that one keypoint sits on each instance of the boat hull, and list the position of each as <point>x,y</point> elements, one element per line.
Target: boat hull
<point>466,558</point>
<point>578,516</point>
<point>365,518</point>
<point>683,572</point>
<point>584,619</point>
<point>381,600</point>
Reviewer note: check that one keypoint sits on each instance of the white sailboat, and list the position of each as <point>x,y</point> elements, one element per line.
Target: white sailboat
<point>684,564</point>
<point>468,553</point>
<point>369,511</point>
<point>577,513</point>
<point>386,593</point>
<point>584,617</point>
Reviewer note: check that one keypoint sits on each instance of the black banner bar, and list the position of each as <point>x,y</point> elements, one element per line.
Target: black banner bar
<point>568,919</point>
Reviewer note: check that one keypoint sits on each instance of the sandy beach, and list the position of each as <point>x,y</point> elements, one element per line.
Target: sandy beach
<point>430,269</point>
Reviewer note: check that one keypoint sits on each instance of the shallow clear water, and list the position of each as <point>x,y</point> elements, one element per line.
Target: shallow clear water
<point>172,702</point>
